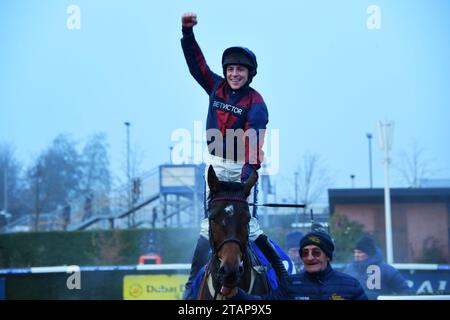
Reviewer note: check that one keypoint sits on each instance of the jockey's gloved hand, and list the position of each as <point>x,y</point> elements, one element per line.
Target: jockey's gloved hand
<point>247,172</point>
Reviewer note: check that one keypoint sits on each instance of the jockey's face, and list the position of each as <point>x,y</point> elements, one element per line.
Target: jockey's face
<point>237,76</point>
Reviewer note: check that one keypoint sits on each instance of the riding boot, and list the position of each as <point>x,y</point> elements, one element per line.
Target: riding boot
<point>272,256</point>
<point>199,259</point>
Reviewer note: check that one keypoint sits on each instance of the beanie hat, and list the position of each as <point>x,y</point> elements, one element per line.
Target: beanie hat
<point>367,245</point>
<point>320,239</point>
<point>293,239</point>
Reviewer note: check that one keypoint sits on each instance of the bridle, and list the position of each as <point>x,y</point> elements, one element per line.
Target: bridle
<point>233,239</point>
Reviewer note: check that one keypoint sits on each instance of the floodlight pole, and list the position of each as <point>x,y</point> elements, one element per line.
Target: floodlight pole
<point>385,138</point>
<point>369,137</point>
<point>127,124</point>
<point>5,176</point>
<point>296,196</point>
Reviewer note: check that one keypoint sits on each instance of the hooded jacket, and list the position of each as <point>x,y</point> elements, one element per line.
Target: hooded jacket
<point>392,282</point>
<point>228,109</point>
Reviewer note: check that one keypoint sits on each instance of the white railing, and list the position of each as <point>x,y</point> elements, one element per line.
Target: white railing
<point>416,297</point>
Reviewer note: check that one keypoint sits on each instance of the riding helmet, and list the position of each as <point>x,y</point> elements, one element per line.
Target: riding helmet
<point>241,56</point>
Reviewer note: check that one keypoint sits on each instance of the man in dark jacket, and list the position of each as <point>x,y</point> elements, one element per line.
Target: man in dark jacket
<point>318,280</point>
<point>376,276</point>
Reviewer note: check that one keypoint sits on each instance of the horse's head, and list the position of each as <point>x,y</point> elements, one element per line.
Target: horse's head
<point>229,217</point>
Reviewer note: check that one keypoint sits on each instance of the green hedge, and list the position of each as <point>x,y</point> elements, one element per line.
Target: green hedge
<point>112,247</point>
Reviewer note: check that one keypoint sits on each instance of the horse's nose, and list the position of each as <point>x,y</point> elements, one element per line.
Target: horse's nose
<point>241,269</point>
<point>222,270</point>
<point>226,270</point>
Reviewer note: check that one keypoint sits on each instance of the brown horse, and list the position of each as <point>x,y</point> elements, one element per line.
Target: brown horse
<point>232,262</point>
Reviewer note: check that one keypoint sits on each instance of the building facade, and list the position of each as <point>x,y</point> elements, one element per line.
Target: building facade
<point>420,219</point>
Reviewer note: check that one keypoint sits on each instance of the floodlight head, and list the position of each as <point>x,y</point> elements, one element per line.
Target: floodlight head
<point>385,134</point>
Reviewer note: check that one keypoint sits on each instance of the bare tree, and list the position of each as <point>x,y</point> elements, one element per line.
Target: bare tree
<point>95,159</point>
<point>10,182</point>
<point>313,178</point>
<point>413,166</point>
<point>137,157</point>
<point>54,177</point>
<point>96,178</point>
<point>131,178</point>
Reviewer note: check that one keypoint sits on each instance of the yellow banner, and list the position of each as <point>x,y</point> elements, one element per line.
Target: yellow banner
<point>154,287</point>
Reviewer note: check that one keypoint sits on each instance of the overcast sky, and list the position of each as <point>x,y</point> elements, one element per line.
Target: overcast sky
<point>328,71</point>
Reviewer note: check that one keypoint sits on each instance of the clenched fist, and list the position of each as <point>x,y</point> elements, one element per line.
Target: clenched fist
<point>188,20</point>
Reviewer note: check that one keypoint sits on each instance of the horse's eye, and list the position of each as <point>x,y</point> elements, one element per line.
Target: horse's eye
<point>215,220</point>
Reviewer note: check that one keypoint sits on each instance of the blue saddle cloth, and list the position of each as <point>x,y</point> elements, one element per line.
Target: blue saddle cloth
<point>270,272</point>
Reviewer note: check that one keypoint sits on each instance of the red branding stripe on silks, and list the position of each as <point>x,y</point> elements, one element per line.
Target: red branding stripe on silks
<point>253,150</point>
<point>204,69</point>
<point>252,98</point>
<point>225,120</point>
<point>253,147</point>
<point>220,92</point>
<point>245,101</point>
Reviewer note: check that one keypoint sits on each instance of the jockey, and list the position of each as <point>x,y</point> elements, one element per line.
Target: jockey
<point>236,123</point>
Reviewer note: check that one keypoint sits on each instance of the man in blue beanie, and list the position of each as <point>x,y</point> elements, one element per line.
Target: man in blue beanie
<point>376,276</point>
<point>318,280</point>
<point>292,248</point>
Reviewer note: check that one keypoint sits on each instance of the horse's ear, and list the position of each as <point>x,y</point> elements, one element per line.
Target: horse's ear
<point>213,182</point>
<point>250,183</point>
